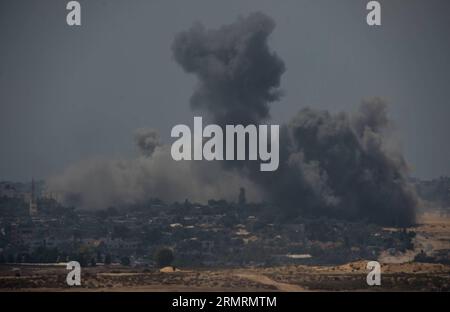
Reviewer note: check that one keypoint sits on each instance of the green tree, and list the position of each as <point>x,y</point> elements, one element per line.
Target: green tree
<point>108,259</point>
<point>164,257</point>
<point>125,261</point>
<point>82,259</point>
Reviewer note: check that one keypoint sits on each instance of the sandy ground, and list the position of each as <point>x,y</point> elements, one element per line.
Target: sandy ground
<point>348,277</point>
<point>262,279</point>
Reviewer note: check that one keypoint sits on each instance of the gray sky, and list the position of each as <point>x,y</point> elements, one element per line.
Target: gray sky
<point>71,93</point>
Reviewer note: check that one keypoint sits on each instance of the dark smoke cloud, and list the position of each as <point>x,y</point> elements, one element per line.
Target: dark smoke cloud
<point>238,74</point>
<point>336,165</point>
<point>147,140</point>
<point>343,166</point>
<point>339,165</point>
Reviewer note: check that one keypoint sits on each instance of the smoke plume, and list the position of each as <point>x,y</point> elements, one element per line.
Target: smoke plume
<point>344,166</point>
<point>339,165</point>
<point>238,75</point>
<point>336,165</point>
<point>101,183</point>
<point>147,140</point>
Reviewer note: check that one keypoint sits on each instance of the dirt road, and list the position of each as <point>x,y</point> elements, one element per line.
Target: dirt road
<point>259,278</point>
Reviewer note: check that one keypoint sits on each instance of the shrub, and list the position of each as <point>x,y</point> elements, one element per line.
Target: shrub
<point>164,257</point>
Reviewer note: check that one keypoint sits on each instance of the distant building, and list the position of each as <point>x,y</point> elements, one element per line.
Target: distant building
<point>33,203</point>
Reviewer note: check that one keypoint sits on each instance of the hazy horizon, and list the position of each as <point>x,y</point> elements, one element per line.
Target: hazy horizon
<point>71,94</point>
